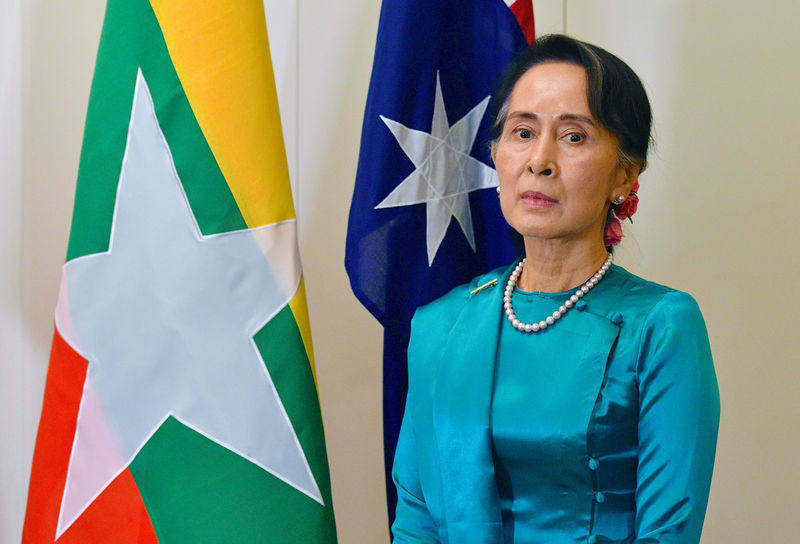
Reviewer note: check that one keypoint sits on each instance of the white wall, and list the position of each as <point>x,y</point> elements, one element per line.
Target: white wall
<point>717,218</point>
<point>12,428</point>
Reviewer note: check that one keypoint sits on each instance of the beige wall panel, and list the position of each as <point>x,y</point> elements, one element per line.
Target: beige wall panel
<point>718,218</point>
<point>548,16</point>
<point>12,449</point>
<point>337,41</point>
<point>282,28</point>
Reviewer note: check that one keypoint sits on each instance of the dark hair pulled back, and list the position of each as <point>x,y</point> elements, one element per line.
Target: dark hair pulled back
<point>615,94</point>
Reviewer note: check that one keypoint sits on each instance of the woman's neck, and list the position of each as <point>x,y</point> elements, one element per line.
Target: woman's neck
<point>552,266</point>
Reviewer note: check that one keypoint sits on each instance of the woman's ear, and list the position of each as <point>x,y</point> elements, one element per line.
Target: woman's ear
<point>628,178</point>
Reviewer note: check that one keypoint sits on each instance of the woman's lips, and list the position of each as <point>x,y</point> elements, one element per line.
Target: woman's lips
<point>536,199</point>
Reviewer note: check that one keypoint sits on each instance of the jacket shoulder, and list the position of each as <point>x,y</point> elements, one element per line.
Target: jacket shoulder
<point>476,289</point>
<point>433,322</point>
<point>645,292</point>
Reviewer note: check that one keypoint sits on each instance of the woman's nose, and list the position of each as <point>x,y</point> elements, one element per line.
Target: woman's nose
<point>542,159</point>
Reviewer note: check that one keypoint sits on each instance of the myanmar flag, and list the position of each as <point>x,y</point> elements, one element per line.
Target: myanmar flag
<point>180,403</point>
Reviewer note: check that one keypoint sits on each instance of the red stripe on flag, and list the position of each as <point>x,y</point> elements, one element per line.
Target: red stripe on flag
<point>523,11</point>
<point>118,515</point>
<point>119,509</point>
<point>62,397</point>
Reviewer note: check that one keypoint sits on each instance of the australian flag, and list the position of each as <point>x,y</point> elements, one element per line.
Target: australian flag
<point>425,216</point>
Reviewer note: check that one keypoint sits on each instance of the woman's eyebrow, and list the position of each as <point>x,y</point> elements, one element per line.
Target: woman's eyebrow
<point>523,115</point>
<point>577,117</point>
<point>562,117</point>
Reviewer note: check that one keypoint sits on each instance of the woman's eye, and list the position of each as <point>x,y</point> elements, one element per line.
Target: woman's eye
<point>525,133</point>
<point>574,137</point>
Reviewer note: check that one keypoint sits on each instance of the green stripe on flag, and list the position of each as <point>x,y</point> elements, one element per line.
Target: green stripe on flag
<point>131,38</point>
<point>232,500</point>
<point>281,347</point>
<point>197,491</point>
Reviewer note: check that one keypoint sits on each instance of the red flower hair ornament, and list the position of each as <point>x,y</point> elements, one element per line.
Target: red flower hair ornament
<point>620,212</point>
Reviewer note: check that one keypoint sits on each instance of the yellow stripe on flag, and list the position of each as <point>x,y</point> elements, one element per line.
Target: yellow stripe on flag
<point>299,307</point>
<point>220,52</point>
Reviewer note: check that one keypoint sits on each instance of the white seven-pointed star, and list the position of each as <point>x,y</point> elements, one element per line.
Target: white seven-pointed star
<point>165,319</point>
<point>445,172</point>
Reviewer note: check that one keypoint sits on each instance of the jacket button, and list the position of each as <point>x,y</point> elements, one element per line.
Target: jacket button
<point>592,539</point>
<point>593,464</point>
<point>599,497</point>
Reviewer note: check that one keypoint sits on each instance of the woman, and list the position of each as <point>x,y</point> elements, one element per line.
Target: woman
<point>562,399</point>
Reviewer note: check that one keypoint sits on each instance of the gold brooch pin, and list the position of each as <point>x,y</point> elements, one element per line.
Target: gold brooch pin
<point>484,286</point>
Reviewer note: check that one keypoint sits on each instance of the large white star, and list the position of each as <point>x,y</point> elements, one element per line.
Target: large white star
<point>165,319</point>
<point>445,172</point>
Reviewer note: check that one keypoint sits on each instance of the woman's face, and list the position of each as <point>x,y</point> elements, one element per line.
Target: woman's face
<point>558,167</point>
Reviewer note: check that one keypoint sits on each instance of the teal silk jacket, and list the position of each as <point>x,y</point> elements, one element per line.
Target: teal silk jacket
<point>628,455</point>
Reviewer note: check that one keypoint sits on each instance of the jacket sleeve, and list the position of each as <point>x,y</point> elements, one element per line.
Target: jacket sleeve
<point>413,522</point>
<point>678,423</point>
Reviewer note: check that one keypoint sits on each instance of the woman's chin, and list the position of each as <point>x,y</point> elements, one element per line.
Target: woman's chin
<point>553,236</point>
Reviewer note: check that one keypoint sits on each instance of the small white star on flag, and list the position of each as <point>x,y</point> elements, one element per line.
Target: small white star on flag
<point>445,172</point>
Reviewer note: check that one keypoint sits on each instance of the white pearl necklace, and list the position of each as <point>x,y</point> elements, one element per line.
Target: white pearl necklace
<point>550,319</point>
